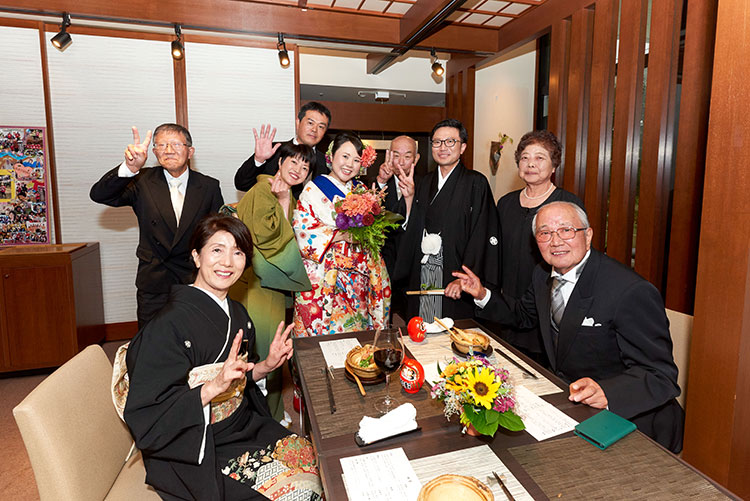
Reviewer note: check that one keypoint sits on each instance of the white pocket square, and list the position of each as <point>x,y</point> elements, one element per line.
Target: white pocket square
<point>589,322</point>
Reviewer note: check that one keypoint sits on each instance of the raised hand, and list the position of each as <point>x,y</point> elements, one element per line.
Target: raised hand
<point>279,352</point>
<point>279,188</point>
<point>406,181</point>
<point>469,283</point>
<point>386,168</point>
<point>136,153</point>
<point>264,148</point>
<point>234,368</point>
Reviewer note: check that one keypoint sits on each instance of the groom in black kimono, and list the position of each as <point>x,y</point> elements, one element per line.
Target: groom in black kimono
<point>452,221</point>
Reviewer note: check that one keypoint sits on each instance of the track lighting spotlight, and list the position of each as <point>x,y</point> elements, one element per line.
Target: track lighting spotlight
<point>62,40</point>
<point>437,68</point>
<point>178,50</point>
<point>283,54</point>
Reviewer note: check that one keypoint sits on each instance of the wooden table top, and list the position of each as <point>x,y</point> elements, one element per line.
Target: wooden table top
<point>634,468</point>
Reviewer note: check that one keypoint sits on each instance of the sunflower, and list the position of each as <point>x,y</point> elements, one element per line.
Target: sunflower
<point>482,387</point>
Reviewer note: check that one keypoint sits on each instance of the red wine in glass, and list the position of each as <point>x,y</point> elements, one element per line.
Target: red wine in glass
<point>388,356</point>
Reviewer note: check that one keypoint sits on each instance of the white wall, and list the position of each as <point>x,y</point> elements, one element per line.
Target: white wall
<point>504,103</point>
<point>349,69</point>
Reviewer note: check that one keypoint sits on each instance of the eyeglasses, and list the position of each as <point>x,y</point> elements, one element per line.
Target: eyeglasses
<point>177,147</point>
<point>566,233</point>
<point>450,142</point>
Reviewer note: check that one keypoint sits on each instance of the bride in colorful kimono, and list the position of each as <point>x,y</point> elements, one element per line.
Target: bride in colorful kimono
<point>193,405</point>
<point>266,209</point>
<point>351,290</point>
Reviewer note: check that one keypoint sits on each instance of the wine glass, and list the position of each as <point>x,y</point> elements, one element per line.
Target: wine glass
<point>388,356</point>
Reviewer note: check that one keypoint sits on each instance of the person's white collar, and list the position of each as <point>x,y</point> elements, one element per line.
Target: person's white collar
<point>573,274</point>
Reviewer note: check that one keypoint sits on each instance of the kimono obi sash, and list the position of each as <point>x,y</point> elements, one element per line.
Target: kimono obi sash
<point>224,404</point>
<point>350,258</point>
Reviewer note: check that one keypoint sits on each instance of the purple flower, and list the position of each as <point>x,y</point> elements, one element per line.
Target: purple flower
<point>342,221</point>
<point>357,220</point>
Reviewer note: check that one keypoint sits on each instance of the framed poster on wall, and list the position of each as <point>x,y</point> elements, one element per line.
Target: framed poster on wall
<point>24,201</point>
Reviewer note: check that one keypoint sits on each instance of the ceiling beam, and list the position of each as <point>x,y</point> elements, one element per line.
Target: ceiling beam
<point>422,20</point>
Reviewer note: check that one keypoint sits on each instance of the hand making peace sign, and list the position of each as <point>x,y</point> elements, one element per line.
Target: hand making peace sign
<point>137,152</point>
<point>234,368</point>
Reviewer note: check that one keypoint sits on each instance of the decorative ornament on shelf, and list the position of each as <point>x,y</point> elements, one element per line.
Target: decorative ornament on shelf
<point>496,150</point>
<point>479,393</point>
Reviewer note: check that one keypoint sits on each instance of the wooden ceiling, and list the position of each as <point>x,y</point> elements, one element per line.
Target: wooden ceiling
<point>476,28</point>
<point>486,13</point>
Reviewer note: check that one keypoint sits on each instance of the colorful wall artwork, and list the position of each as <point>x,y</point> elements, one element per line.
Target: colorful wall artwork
<point>24,209</point>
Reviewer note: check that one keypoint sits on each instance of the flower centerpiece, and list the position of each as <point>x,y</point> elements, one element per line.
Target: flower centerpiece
<point>362,215</point>
<point>479,393</point>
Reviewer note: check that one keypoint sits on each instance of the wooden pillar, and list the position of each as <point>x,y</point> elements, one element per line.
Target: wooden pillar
<point>718,411</point>
<point>601,107</point>
<point>626,141</point>
<point>700,31</point>
<point>558,83</point>
<point>658,140</point>
<point>461,74</point>
<point>576,116</point>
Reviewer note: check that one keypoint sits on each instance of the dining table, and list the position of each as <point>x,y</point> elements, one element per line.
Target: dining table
<point>562,467</point>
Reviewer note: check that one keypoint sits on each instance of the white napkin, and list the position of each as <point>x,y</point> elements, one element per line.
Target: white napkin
<point>401,419</point>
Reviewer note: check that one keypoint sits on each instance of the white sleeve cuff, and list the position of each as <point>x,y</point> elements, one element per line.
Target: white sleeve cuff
<point>486,299</point>
<point>262,385</point>
<point>123,171</point>
<point>257,164</point>
<point>206,420</point>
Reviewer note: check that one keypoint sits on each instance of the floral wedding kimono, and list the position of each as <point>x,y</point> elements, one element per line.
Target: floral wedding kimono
<point>351,289</point>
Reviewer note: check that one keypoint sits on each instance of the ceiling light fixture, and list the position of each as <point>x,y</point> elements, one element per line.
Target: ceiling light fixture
<point>178,50</point>
<point>62,40</point>
<point>283,54</point>
<point>437,68</point>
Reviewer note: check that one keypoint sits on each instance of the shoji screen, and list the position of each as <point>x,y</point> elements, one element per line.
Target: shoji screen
<point>100,87</point>
<point>21,83</point>
<point>232,89</point>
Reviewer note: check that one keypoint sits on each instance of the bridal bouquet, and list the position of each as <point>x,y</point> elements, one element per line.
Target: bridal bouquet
<point>362,216</point>
<point>479,393</point>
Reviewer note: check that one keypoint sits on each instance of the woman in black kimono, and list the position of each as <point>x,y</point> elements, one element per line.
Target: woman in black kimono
<point>193,406</point>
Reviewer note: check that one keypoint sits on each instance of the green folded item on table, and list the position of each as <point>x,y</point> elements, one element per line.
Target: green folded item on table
<point>604,429</point>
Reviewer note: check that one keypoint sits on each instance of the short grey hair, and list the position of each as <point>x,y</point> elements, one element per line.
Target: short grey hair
<point>579,211</point>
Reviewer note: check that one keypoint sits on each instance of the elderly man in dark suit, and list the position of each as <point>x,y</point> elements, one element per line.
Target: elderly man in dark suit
<point>604,327</point>
<point>168,200</point>
<point>311,125</point>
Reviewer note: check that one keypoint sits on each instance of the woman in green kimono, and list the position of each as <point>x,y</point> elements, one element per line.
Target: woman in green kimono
<point>276,264</point>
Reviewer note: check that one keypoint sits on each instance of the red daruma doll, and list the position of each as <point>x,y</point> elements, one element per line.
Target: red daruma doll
<point>416,329</point>
<point>412,375</point>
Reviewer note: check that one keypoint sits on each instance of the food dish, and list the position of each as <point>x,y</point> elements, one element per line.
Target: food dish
<point>451,487</point>
<point>486,352</point>
<point>378,378</point>
<point>361,362</point>
<point>466,339</point>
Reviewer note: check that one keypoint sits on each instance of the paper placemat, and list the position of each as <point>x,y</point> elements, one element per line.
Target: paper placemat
<point>437,348</point>
<point>478,462</point>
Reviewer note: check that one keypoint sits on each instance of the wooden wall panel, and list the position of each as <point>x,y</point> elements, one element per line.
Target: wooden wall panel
<point>383,117</point>
<point>700,30</point>
<point>576,116</point>
<point>716,439</point>
<point>626,141</point>
<point>601,107</point>
<point>658,140</point>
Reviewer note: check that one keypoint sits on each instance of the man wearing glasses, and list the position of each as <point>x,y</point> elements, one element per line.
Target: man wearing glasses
<point>168,201</point>
<point>603,326</point>
<point>452,221</point>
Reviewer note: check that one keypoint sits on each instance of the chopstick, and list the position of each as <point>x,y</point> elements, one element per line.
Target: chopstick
<point>443,325</point>
<point>506,357</point>
<point>331,401</point>
<point>506,491</point>
<point>429,292</point>
<point>356,379</point>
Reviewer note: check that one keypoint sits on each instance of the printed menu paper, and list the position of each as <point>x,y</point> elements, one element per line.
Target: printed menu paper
<point>380,475</point>
<point>541,418</point>
<point>335,351</point>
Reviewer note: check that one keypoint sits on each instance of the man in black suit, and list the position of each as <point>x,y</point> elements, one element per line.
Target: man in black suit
<point>396,176</point>
<point>604,327</point>
<point>311,125</point>
<point>168,200</point>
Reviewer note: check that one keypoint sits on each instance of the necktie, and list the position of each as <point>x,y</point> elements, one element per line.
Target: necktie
<point>557,301</point>
<point>177,198</point>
